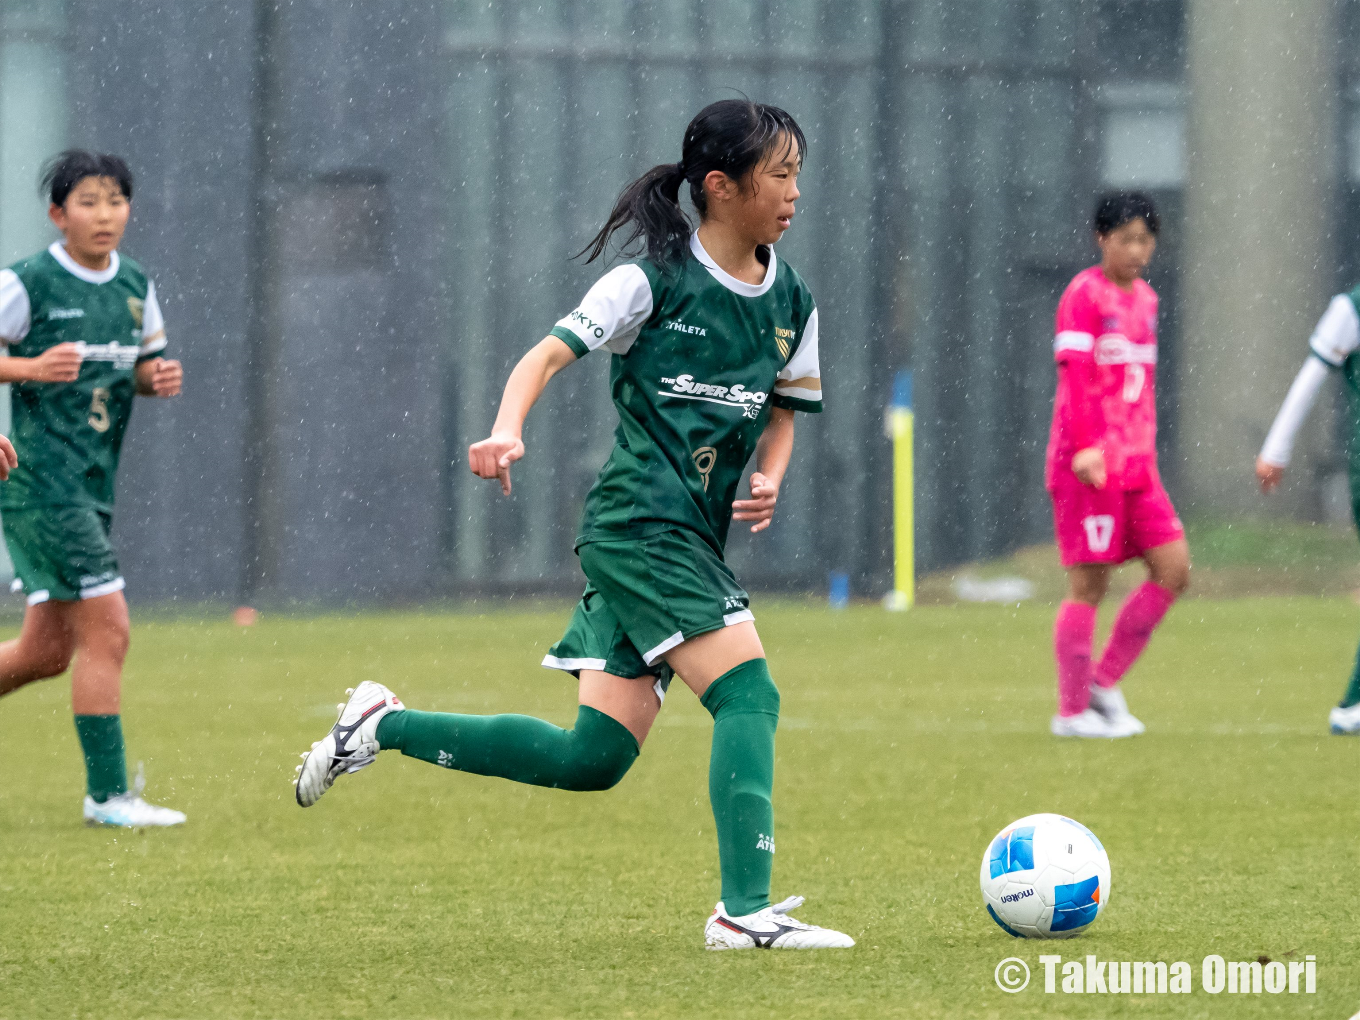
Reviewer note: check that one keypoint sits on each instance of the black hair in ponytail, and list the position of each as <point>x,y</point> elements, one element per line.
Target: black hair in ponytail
<point>731,135</point>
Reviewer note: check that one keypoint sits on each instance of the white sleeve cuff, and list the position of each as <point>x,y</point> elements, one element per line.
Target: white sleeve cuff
<point>801,378</point>
<point>613,311</point>
<point>1338,331</point>
<point>15,310</point>
<point>1279,442</point>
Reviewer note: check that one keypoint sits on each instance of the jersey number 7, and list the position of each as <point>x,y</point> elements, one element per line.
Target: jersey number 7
<point>1135,376</point>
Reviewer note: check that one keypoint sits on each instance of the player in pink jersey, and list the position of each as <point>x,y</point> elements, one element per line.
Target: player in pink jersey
<point>1109,505</point>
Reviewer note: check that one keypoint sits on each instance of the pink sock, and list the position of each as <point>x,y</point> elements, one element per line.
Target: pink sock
<point>1072,633</point>
<point>1137,619</point>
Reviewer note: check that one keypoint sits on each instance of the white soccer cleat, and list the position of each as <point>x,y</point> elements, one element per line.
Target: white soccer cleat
<point>1089,724</point>
<point>771,928</point>
<point>1109,702</point>
<point>351,744</point>
<point>129,811</point>
<point>1345,721</point>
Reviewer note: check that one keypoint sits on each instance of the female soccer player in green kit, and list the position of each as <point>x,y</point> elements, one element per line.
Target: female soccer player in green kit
<point>1334,345</point>
<point>714,346</point>
<point>85,335</point>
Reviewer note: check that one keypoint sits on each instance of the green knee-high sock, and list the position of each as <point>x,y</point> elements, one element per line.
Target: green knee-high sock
<point>101,738</point>
<point>1352,695</point>
<point>744,703</point>
<point>593,756</point>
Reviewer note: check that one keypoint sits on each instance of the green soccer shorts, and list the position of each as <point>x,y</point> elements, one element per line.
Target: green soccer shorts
<point>644,597</point>
<point>61,553</point>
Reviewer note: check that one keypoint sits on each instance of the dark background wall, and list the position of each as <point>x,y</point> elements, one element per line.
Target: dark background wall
<point>359,215</point>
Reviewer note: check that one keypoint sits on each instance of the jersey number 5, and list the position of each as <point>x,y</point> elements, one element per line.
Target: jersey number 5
<point>99,410</point>
<point>1135,376</point>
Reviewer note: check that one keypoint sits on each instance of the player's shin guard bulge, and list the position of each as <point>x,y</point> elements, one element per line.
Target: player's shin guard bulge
<point>1072,634</point>
<point>744,703</point>
<point>1139,616</point>
<point>595,755</point>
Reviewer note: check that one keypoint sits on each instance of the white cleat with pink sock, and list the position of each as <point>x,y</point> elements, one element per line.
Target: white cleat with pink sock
<point>1089,724</point>
<point>1109,702</point>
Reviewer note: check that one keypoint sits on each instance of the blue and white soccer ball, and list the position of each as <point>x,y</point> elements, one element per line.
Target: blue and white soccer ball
<point>1045,877</point>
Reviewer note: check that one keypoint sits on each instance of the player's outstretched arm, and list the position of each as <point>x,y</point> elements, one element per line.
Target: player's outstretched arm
<point>772,459</point>
<point>159,377</point>
<point>492,457</point>
<point>1279,444</point>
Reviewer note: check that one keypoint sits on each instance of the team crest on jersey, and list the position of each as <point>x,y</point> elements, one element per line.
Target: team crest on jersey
<point>136,305</point>
<point>704,459</point>
<point>783,339</point>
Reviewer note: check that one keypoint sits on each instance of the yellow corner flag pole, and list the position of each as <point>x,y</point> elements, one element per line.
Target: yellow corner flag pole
<point>901,424</point>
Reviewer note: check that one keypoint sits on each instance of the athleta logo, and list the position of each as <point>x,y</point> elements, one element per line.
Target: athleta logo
<point>680,327</point>
<point>765,842</point>
<point>731,396</point>
<point>1099,532</point>
<point>580,318</point>
<point>704,459</point>
<point>445,760</point>
<point>1012,897</point>
<point>66,313</point>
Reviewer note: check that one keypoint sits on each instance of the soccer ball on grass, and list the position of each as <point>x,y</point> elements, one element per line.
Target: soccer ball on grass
<point>1045,877</point>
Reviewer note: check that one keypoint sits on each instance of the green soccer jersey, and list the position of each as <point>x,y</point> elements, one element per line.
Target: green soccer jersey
<point>68,435</point>
<point>699,358</point>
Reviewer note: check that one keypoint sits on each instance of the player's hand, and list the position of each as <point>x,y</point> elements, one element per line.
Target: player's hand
<point>9,460</point>
<point>166,377</point>
<point>56,364</point>
<point>1089,467</point>
<point>1268,474</point>
<point>760,507</point>
<point>492,457</point>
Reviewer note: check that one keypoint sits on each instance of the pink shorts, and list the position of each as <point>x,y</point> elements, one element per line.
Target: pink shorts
<point>1110,525</point>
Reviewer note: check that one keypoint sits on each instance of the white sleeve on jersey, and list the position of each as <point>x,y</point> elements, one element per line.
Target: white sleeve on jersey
<point>153,323</point>
<point>15,311</point>
<point>613,311</point>
<point>1279,442</point>
<point>1338,332</point>
<point>801,378</point>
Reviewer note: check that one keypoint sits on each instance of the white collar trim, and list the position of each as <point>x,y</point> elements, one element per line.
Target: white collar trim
<point>731,282</point>
<point>80,272</point>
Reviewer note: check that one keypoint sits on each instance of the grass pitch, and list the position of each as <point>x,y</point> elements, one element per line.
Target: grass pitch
<point>906,742</point>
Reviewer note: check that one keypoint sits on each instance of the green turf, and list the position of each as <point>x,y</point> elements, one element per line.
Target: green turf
<point>906,743</point>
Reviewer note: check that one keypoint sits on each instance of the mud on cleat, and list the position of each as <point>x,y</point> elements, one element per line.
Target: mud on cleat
<point>771,928</point>
<point>351,744</point>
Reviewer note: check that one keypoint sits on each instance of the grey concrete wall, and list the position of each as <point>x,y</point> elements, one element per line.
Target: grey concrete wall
<point>290,206</point>
<point>170,87</point>
<point>1258,240</point>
